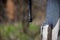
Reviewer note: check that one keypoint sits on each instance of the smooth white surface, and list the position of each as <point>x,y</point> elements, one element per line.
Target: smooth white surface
<point>45,32</point>
<point>55,31</point>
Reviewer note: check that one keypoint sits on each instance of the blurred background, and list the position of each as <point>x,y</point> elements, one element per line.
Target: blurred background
<point>21,19</point>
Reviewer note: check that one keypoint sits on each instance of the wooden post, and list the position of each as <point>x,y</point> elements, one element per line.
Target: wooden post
<point>50,32</point>
<point>46,32</point>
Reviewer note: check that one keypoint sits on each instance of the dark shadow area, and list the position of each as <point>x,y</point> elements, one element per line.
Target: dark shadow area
<point>2,10</point>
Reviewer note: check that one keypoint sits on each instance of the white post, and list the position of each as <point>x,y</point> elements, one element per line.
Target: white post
<point>55,31</point>
<point>45,32</point>
<point>48,33</point>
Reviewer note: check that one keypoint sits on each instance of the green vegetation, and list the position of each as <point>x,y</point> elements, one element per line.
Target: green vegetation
<point>15,32</point>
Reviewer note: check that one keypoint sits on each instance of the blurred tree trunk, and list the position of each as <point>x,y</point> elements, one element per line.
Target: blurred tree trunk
<point>22,13</point>
<point>18,10</point>
<point>10,7</point>
<point>25,16</point>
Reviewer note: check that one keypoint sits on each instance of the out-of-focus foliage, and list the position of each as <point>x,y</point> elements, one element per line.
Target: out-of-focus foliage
<point>11,32</point>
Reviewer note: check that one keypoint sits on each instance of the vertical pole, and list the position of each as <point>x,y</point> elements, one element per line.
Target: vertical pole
<point>30,10</point>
